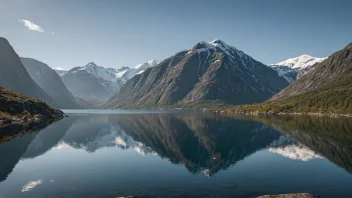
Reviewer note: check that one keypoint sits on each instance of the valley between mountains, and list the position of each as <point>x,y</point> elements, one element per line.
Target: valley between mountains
<point>210,75</point>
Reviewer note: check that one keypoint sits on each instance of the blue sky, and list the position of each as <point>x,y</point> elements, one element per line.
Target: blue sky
<point>115,33</point>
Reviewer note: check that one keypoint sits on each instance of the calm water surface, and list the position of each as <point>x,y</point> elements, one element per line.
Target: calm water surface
<point>112,153</point>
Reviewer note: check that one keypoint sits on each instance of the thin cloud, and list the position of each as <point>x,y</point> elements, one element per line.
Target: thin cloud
<point>31,26</point>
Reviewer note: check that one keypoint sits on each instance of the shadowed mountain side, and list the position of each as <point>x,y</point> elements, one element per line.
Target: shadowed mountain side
<point>211,71</point>
<point>201,143</point>
<point>88,133</point>
<point>28,143</point>
<point>47,138</point>
<point>11,152</point>
<point>329,137</point>
<point>14,76</point>
<point>50,82</point>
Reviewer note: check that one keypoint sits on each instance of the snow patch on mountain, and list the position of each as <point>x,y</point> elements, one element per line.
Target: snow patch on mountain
<point>99,72</point>
<point>288,73</point>
<point>60,71</point>
<point>301,62</point>
<point>59,68</point>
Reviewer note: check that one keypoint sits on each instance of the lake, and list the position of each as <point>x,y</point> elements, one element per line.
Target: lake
<point>110,153</point>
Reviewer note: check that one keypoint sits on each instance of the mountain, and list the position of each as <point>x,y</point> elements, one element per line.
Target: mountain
<point>302,64</point>
<point>50,82</point>
<point>326,89</point>
<point>207,72</point>
<point>14,76</point>
<point>131,72</point>
<point>60,71</point>
<point>96,84</point>
<point>288,73</point>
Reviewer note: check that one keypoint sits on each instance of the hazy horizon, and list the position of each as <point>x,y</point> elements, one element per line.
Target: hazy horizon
<point>125,33</point>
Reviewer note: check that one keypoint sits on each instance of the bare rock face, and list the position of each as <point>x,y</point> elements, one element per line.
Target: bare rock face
<point>207,72</point>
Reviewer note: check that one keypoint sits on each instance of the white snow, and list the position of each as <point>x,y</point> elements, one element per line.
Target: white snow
<point>301,62</point>
<point>114,76</point>
<point>285,72</point>
<point>120,74</point>
<point>140,72</point>
<point>59,68</point>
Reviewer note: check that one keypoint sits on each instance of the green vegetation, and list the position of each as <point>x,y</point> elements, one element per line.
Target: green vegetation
<point>329,101</point>
<point>17,105</point>
<point>211,105</point>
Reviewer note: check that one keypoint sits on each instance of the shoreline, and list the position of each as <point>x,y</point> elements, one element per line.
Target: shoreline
<point>16,126</point>
<point>281,113</point>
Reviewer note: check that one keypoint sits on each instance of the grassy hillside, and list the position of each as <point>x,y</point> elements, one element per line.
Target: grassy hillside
<point>336,100</point>
<point>17,107</point>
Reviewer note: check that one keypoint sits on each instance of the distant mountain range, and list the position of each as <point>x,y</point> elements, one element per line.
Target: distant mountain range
<point>207,72</point>
<point>302,64</point>
<point>95,84</point>
<point>60,71</point>
<point>205,75</point>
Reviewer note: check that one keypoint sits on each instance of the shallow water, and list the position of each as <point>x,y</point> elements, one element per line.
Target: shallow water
<point>109,153</point>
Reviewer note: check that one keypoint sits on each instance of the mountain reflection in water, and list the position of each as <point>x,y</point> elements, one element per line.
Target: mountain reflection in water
<point>202,143</point>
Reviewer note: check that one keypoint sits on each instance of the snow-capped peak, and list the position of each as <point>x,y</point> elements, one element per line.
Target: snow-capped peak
<point>59,69</point>
<point>220,45</point>
<point>91,64</point>
<point>153,62</point>
<point>301,62</point>
<point>150,63</point>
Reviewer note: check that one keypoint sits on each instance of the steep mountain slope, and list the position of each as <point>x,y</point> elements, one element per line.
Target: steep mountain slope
<point>302,64</point>
<point>208,71</point>
<point>131,72</point>
<point>92,83</point>
<point>60,71</point>
<point>96,84</point>
<point>14,76</point>
<point>288,73</point>
<point>326,89</point>
<point>50,82</point>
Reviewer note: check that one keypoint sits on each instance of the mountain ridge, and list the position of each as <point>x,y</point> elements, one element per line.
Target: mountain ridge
<point>302,64</point>
<point>191,76</point>
<point>50,82</point>
<point>96,84</point>
<point>14,76</point>
<point>325,90</point>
